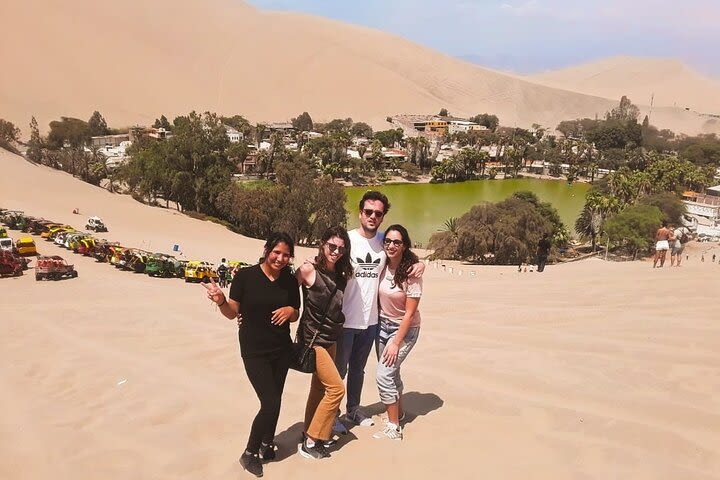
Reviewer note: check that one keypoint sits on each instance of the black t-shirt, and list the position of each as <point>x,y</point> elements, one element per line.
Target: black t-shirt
<point>258,296</point>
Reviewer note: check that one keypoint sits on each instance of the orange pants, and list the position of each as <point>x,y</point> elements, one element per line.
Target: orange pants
<point>326,392</point>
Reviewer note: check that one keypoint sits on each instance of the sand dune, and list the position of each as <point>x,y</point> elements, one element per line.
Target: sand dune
<point>590,370</point>
<point>137,60</point>
<point>672,83</point>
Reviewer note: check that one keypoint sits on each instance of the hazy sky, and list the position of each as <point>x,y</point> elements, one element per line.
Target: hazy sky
<point>533,35</point>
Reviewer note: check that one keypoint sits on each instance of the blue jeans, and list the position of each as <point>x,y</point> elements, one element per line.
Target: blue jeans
<point>353,350</point>
<point>389,381</point>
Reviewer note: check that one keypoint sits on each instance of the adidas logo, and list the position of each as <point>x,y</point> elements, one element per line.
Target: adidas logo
<point>368,263</point>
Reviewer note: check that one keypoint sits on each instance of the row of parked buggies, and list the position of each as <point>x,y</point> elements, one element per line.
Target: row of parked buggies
<point>122,257</point>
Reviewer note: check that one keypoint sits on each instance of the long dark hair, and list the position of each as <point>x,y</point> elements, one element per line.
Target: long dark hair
<point>343,267</point>
<point>272,242</point>
<point>408,257</point>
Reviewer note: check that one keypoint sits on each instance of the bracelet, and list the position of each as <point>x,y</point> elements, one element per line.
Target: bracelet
<point>223,302</point>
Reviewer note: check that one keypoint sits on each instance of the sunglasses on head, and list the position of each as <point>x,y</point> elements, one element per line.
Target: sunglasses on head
<point>397,243</point>
<point>335,248</point>
<point>368,212</point>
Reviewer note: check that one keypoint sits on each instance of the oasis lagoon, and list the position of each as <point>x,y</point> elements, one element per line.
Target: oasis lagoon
<point>424,208</point>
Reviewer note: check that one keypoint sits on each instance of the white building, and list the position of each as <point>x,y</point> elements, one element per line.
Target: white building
<point>233,135</point>
<point>465,126</point>
<point>704,210</point>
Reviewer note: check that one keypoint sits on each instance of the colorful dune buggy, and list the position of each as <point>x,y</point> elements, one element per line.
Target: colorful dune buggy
<point>53,268</point>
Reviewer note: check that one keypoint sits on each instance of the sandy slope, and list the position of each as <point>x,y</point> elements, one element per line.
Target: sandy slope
<point>591,370</point>
<point>673,83</point>
<point>136,60</point>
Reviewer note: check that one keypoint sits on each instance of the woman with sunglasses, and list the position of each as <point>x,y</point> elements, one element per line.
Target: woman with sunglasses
<point>323,283</point>
<point>398,296</point>
<point>267,298</point>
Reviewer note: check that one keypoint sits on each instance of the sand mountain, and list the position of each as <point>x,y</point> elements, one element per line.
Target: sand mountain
<point>136,60</point>
<point>672,83</point>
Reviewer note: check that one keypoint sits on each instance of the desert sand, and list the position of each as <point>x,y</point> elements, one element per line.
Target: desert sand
<point>667,81</point>
<point>590,370</point>
<point>137,60</point>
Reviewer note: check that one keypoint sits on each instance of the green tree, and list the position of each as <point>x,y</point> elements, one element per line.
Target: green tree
<point>9,134</point>
<point>97,125</point>
<point>162,122</point>
<point>388,138</point>
<point>705,152</point>
<point>598,207</point>
<point>669,204</point>
<point>443,112</point>
<point>182,190</point>
<point>634,228</point>
<point>549,213</point>
<point>486,119</point>
<point>34,151</point>
<point>625,112</point>
<point>361,129</point>
<point>67,130</point>
<point>303,122</point>
<point>501,233</point>
<point>339,125</point>
<point>8,131</point>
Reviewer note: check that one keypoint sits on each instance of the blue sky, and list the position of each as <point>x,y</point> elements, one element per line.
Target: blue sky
<point>532,35</point>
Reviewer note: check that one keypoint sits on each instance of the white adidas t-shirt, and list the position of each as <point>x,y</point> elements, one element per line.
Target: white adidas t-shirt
<point>360,300</point>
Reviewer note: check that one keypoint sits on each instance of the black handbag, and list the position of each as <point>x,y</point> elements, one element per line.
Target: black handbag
<point>303,356</point>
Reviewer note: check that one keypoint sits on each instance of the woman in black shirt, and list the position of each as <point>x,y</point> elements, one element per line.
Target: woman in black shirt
<point>266,298</point>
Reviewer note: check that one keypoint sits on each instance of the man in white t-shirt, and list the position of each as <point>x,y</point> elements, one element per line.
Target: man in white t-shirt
<point>360,302</point>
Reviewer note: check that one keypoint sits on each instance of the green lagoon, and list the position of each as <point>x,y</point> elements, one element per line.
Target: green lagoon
<point>423,208</point>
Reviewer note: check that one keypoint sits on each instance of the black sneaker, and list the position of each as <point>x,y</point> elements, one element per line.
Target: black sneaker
<point>316,452</point>
<point>267,452</point>
<point>251,463</point>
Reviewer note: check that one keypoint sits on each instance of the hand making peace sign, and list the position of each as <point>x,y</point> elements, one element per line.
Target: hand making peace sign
<point>214,292</point>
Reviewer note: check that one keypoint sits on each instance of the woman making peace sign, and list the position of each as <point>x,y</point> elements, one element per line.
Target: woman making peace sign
<point>267,298</point>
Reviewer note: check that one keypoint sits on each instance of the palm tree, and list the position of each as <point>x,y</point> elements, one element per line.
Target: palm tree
<point>451,226</point>
<point>423,145</point>
<point>597,209</point>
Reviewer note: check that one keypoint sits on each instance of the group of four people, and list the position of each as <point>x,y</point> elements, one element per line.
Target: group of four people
<point>361,290</point>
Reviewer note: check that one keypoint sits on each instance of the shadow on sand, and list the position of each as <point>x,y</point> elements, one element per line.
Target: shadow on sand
<point>416,405</point>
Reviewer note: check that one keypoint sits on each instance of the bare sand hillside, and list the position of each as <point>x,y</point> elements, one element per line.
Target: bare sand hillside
<point>590,370</point>
<point>672,83</point>
<point>136,60</point>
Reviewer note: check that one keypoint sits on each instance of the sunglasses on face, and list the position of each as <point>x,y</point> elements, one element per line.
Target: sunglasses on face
<point>368,212</point>
<point>335,248</point>
<point>397,243</point>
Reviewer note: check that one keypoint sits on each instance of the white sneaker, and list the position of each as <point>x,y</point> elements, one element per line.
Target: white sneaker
<point>390,432</point>
<point>339,427</point>
<point>359,418</point>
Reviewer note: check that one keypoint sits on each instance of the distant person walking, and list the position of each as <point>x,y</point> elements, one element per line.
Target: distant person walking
<point>662,244</point>
<point>222,272</point>
<point>543,252</point>
<point>680,236</point>
<point>323,283</point>
<point>398,296</point>
<point>266,298</point>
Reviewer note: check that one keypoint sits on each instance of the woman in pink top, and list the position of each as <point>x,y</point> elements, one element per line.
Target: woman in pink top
<point>399,296</point>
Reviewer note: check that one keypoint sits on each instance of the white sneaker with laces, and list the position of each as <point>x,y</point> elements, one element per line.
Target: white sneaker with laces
<point>390,432</point>
<point>359,418</point>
